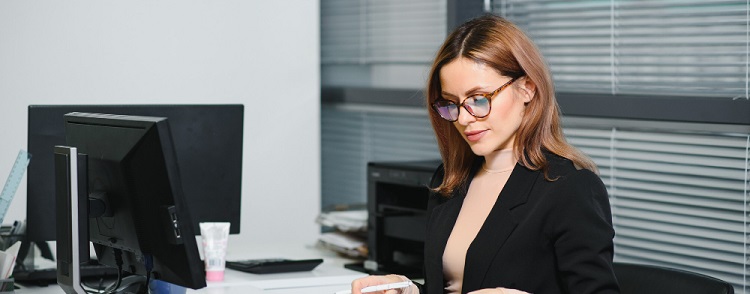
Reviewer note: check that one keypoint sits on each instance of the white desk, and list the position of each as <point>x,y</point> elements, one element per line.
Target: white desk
<point>253,290</point>
<point>326,278</point>
<point>329,277</point>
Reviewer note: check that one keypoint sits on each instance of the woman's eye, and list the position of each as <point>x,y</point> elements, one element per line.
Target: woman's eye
<point>476,98</point>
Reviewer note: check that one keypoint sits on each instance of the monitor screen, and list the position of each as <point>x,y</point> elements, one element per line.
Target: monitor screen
<point>132,169</point>
<point>207,142</point>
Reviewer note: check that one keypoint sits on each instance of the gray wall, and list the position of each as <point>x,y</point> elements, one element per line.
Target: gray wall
<point>116,52</point>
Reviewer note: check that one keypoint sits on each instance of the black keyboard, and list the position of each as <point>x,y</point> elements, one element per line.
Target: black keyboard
<point>49,275</point>
<point>276,265</point>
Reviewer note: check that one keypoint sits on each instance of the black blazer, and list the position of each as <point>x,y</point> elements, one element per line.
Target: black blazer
<point>540,236</point>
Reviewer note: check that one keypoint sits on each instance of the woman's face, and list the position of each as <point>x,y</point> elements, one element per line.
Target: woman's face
<point>462,78</point>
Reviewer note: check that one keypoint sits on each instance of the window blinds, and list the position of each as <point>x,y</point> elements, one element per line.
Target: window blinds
<point>667,47</point>
<point>353,136</point>
<point>678,199</point>
<point>382,31</point>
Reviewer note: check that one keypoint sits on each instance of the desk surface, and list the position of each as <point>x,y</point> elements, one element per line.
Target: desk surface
<point>329,277</point>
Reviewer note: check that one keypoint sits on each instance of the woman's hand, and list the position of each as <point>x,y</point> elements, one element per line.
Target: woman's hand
<point>360,283</point>
<point>498,291</point>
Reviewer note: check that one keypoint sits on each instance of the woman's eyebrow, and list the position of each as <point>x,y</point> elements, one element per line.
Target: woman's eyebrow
<point>469,92</point>
<point>472,90</point>
<point>443,93</point>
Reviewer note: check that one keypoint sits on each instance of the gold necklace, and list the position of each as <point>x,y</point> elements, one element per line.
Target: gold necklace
<point>489,171</point>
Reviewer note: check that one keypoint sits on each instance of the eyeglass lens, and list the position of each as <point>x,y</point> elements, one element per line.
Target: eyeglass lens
<point>478,106</point>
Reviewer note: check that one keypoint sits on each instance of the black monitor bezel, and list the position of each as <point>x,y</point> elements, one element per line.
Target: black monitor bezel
<point>189,122</point>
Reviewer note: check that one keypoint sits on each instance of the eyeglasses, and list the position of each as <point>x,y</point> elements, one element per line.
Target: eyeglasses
<point>477,105</point>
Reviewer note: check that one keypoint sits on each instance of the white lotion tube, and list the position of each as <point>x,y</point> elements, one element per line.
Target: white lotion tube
<point>215,238</point>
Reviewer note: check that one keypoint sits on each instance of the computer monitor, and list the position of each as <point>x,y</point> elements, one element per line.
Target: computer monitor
<point>207,141</point>
<point>142,224</point>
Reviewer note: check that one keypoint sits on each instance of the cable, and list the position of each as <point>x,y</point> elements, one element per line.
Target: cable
<point>98,289</point>
<point>118,262</point>
<point>149,266</point>
<point>112,287</point>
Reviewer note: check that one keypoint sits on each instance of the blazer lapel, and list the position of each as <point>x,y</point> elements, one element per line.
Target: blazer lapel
<point>443,219</point>
<point>497,228</point>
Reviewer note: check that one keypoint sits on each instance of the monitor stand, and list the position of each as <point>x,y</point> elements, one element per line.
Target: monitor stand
<point>72,217</point>
<point>73,211</point>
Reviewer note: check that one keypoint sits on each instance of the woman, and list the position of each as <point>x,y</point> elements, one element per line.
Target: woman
<point>516,209</point>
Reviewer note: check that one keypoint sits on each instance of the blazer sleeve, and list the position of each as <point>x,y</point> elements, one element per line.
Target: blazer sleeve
<point>583,234</point>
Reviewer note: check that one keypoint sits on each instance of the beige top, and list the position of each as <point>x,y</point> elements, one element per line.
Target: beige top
<point>481,197</point>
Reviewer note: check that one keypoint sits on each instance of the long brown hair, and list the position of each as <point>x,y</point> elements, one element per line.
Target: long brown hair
<point>498,43</point>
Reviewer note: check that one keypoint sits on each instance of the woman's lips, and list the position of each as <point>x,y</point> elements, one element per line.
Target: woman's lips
<point>474,136</point>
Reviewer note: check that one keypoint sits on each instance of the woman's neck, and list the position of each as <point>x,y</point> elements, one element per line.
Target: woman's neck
<point>500,160</point>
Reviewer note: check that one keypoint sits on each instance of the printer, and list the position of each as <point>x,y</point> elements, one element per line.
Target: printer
<point>397,194</point>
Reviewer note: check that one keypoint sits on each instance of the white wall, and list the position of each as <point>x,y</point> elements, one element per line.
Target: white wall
<point>258,53</point>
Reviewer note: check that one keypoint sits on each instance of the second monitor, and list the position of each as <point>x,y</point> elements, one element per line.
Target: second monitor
<point>207,141</point>
<point>124,194</point>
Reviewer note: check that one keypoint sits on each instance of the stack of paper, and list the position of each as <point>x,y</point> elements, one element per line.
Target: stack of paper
<point>8,260</point>
<point>344,243</point>
<point>348,239</point>
<point>345,221</point>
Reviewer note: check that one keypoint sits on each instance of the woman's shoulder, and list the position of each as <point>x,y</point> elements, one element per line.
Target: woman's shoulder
<point>563,171</point>
<point>569,182</point>
<point>558,166</point>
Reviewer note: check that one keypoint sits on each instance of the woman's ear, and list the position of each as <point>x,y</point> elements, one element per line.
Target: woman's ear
<point>528,89</point>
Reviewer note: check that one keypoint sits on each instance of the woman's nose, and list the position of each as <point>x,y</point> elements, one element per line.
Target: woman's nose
<point>464,117</point>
